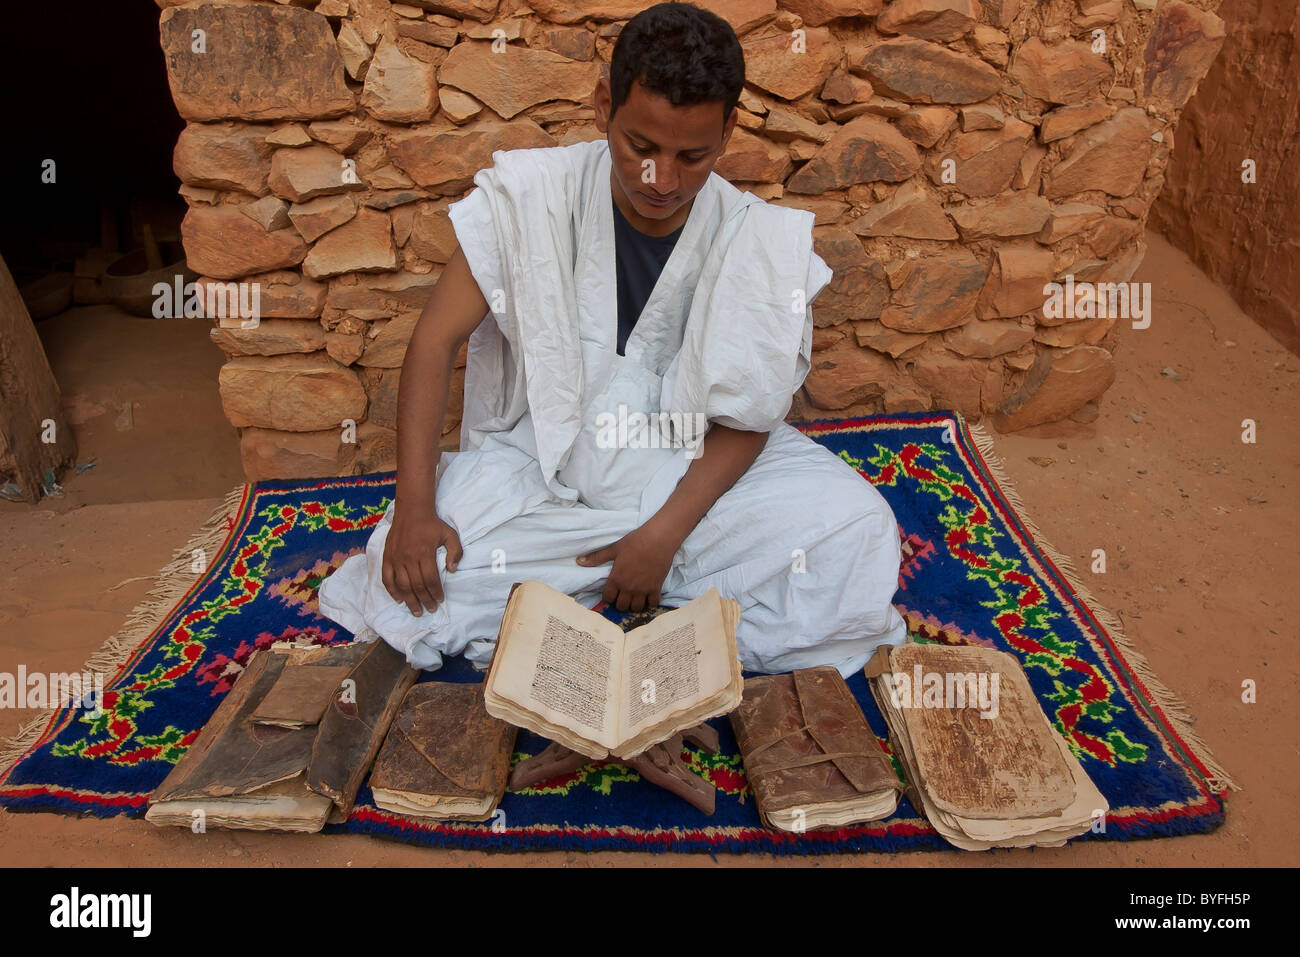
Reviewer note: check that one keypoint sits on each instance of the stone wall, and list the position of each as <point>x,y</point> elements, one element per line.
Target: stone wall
<point>957,154</point>
<point>1244,233</point>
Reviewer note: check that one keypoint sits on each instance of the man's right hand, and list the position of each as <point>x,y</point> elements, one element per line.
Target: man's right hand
<point>410,571</point>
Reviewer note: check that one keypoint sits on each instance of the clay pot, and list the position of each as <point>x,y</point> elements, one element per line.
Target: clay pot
<point>48,296</point>
<point>129,282</point>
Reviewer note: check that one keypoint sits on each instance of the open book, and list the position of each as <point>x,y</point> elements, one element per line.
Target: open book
<point>570,674</point>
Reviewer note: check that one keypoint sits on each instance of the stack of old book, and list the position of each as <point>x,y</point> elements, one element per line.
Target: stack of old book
<point>981,760</point>
<point>810,757</point>
<point>288,746</point>
<point>445,757</point>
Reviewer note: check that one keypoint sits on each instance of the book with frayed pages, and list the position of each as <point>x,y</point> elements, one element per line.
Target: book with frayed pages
<point>982,761</point>
<point>568,673</point>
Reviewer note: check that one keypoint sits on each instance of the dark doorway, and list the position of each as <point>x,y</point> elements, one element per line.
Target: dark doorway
<point>88,90</point>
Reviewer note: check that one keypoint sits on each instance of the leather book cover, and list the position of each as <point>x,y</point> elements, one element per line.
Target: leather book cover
<point>236,755</point>
<point>354,724</point>
<point>444,744</point>
<point>300,695</point>
<point>805,742</point>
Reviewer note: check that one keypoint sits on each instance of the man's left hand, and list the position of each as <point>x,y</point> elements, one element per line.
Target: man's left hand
<point>642,559</point>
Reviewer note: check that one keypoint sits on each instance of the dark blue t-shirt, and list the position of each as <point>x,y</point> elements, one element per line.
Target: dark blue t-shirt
<point>640,259</point>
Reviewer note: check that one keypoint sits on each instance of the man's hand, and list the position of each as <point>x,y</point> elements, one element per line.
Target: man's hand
<point>642,559</point>
<point>410,571</point>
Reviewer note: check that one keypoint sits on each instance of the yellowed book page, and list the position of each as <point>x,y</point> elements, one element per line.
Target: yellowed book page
<point>1076,819</point>
<point>562,662</point>
<point>676,661</point>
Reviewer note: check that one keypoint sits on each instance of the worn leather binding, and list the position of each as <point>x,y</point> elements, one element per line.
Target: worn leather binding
<point>445,747</point>
<point>351,731</point>
<point>285,749</point>
<point>806,745</point>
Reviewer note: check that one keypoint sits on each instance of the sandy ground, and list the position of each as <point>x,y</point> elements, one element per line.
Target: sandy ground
<point>1199,528</point>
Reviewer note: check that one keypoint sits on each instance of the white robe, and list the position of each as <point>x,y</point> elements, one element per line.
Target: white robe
<point>806,545</point>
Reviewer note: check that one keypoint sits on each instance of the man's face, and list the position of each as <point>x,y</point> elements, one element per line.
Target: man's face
<point>662,154</point>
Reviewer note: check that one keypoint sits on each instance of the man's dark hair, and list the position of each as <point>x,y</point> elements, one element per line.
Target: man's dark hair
<point>681,52</point>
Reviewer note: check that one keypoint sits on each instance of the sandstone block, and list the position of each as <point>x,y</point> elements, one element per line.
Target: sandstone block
<point>1015,283</point>
<point>865,150</point>
<point>1068,120</point>
<point>1080,332</point>
<point>1012,214</point>
<point>1057,386</point>
<point>1184,42</point>
<point>383,397</point>
<point>399,88</point>
<point>952,381</point>
<point>874,334</point>
<point>985,116</point>
<point>1062,73</point>
<point>1068,219</point>
<point>845,88</point>
<point>941,20</point>
<point>354,52</point>
<point>388,348</point>
<point>909,212</point>
<point>272,337</point>
<point>223,243</point>
<point>288,294</point>
<point>987,338</point>
<point>457,106</point>
<point>817,13</point>
<point>292,393</point>
<point>302,174</point>
<point>291,135</point>
<point>432,235</point>
<point>926,125</point>
<point>268,212</point>
<point>268,454</point>
<point>276,63</point>
<point>223,156</point>
<point>1111,156</point>
<point>343,135</point>
<point>784,126</point>
<point>516,78</point>
<point>857,290</point>
<point>316,217</point>
<point>774,64</point>
<point>938,293</point>
<point>922,72</point>
<point>752,159</point>
<point>365,244</point>
<point>845,374</point>
<point>983,162</point>
<point>576,44</point>
<point>445,161</point>
<point>344,349</point>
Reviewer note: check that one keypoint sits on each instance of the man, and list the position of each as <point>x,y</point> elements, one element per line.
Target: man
<point>621,301</point>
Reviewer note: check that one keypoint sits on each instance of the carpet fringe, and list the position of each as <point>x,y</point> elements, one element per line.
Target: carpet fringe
<point>174,580</point>
<point>1169,703</point>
